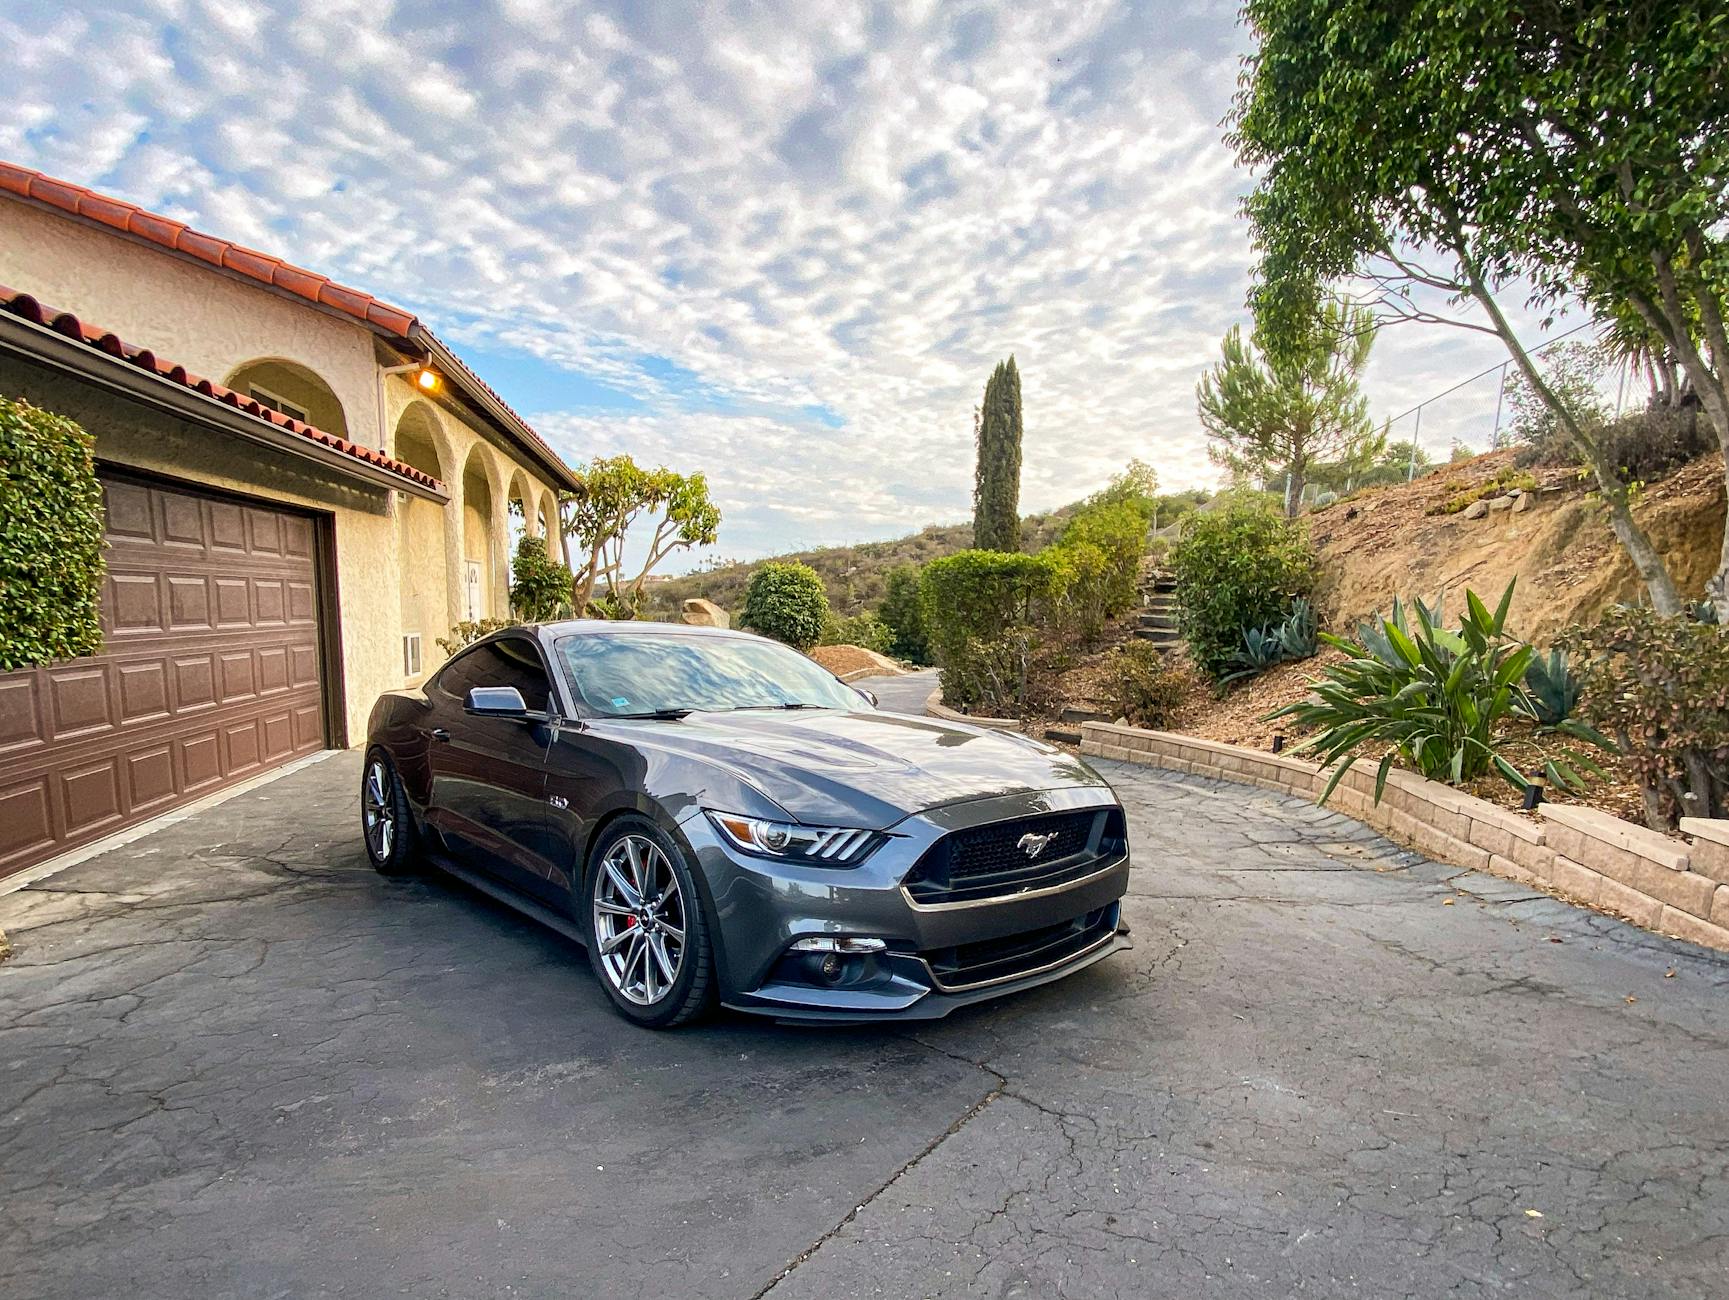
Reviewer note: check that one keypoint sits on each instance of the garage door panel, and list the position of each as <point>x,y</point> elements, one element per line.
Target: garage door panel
<point>194,681</point>
<point>78,700</point>
<point>227,527</point>
<point>143,691</point>
<point>182,521</point>
<point>90,796</point>
<point>188,603</point>
<point>200,761</point>
<point>210,672</point>
<point>134,603</point>
<point>26,819</point>
<point>20,711</point>
<point>129,513</point>
<point>150,779</point>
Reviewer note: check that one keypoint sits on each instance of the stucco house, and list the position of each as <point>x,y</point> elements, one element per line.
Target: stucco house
<point>304,488</point>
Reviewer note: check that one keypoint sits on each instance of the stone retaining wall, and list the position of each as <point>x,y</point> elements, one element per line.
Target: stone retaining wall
<point>1588,856</point>
<point>935,708</point>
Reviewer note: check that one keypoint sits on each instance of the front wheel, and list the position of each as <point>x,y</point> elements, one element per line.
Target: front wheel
<point>386,821</point>
<point>647,934</point>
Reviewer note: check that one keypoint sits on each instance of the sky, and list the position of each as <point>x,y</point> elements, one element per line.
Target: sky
<point>780,243</point>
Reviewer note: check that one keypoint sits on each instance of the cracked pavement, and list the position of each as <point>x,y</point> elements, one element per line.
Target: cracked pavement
<point>234,1061</point>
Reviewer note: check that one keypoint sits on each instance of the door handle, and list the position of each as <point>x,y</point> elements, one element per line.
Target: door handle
<point>440,734</point>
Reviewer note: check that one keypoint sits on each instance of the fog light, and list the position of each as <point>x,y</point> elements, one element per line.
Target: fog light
<point>834,943</point>
<point>831,965</point>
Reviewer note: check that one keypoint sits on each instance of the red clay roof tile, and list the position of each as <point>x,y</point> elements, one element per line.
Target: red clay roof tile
<point>28,308</point>
<point>176,236</point>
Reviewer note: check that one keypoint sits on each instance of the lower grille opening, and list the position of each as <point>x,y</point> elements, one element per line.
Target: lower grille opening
<point>969,964</point>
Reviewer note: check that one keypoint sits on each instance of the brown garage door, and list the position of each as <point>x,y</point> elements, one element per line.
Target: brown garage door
<point>209,672</point>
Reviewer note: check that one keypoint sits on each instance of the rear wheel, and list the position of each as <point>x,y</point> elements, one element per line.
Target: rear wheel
<point>386,821</point>
<point>648,937</point>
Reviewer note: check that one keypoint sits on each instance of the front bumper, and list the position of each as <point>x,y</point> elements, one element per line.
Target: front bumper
<point>761,907</point>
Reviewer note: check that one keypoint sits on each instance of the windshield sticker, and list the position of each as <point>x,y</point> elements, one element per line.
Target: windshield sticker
<point>620,702</point>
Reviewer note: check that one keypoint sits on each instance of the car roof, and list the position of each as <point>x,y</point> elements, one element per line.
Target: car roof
<point>602,626</point>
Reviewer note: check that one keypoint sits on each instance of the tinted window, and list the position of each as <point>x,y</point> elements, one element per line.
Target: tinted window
<point>615,673</point>
<point>511,662</point>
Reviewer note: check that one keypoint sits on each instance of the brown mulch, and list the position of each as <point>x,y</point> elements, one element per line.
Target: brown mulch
<point>843,659</point>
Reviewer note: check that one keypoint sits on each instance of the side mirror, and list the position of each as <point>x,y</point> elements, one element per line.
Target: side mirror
<point>497,701</point>
<point>869,696</point>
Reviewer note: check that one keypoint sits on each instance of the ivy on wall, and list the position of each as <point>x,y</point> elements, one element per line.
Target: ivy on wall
<point>50,539</point>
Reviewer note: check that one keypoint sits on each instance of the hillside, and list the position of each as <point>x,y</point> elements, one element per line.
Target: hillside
<point>1384,542</point>
<point>854,575</point>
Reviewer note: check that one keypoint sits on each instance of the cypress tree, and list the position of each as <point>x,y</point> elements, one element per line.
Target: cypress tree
<point>997,485</point>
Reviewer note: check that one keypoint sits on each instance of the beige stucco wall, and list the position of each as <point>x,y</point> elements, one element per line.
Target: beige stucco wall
<point>208,321</point>
<point>399,560</point>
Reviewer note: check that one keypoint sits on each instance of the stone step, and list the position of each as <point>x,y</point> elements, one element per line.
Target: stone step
<point>1071,714</point>
<point>1158,636</point>
<point>1166,621</point>
<point>1063,735</point>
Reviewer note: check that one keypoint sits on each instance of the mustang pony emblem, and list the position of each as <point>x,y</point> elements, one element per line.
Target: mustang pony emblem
<point>1032,845</point>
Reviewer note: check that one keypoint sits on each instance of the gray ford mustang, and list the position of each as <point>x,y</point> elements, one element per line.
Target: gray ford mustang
<point>716,818</point>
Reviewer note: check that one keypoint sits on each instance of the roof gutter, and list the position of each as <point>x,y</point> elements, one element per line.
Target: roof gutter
<point>41,344</point>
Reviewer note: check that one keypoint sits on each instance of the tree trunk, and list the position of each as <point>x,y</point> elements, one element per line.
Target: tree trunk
<point>1647,561</point>
<point>1295,481</point>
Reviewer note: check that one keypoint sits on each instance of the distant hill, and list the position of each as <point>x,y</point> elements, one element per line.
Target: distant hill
<point>853,575</point>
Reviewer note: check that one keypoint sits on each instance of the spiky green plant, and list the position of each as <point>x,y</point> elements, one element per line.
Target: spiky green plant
<point>1553,687</point>
<point>1437,698</point>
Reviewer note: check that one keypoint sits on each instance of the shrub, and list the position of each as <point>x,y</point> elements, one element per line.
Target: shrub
<point>540,587</point>
<point>1237,567</point>
<point>468,632</point>
<point>981,609</point>
<point>786,600</point>
<point>51,563</point>
<point>903,612</point>
<point>1100,553</point>
<point>1142,687</point>
<point>1660,686</point>
<point>991,678</point>
<point>865,630</point>
<point>980,595</point>
<point>1437,699</point>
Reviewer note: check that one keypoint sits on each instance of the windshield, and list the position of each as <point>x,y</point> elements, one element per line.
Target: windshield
<point>621,674</point>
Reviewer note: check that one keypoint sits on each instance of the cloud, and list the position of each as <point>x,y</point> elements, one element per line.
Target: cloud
<point>795,237</point>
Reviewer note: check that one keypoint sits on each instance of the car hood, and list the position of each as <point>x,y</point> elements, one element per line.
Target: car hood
<point>867,768</point>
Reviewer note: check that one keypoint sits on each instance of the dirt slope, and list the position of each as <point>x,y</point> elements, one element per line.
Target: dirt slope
<point>1568,563</point>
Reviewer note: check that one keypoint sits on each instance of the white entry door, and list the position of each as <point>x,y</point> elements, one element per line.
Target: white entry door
<point>471,586</point>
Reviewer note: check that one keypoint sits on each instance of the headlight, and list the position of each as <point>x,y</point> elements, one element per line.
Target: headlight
<point>823,846</point>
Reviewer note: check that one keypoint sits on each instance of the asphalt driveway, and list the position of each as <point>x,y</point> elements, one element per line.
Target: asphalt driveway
<point>234,1061</point>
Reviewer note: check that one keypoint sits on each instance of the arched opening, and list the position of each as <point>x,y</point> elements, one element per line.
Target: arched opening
<point>549,526</point>
<point>293,389</point>
<point>420,527</point>
<point>478,543</point>
<point>521,518</point>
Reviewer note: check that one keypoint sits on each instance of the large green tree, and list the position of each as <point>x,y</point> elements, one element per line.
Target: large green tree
<point>997,482</point>
<point>1456,147</point>
<point>616,493</point>
<point>1277,411</point>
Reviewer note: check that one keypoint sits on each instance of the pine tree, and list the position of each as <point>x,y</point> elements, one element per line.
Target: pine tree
<point>997,487</point>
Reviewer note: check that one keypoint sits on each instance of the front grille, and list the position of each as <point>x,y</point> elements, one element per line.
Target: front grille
<point>990,861</point>
<point>968,965</point>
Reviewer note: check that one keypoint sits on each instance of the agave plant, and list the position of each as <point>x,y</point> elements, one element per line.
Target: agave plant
<point>1436,697</point>
<point>1552,688</point>
<point>1277,643</point>
<point>1299,634</point>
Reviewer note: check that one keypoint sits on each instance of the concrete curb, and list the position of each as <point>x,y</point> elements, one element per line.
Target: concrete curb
<point>934,707</point>
<point>1581,854</point>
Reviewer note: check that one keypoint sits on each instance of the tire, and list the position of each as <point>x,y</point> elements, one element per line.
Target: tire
<point>632,941</point>
<point>386,821</point>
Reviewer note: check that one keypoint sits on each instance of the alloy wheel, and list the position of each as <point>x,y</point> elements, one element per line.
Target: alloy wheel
<point>378,810</point>
<point>639,920</point>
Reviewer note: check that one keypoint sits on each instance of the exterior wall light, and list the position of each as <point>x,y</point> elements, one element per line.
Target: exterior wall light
<point>426,379</point>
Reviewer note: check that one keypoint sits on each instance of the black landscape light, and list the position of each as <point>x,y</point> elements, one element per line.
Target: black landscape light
<point>1534,789</point>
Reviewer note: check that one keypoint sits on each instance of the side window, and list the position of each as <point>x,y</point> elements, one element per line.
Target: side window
<point>511,662</point>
